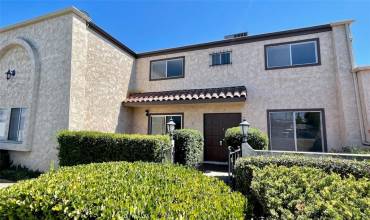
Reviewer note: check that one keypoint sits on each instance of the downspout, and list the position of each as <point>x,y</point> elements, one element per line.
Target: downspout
<point>355,82</point>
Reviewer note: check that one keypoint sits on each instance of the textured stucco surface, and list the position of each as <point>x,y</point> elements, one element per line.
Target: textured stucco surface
<point>71,77</point>
<point>51,39</point>
<point>292,88</point>
<point>364,92</point>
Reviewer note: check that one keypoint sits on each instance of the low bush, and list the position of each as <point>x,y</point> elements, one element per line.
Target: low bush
<point>256,138</point>
<point>310,193</point>
<point>16,173</point>
<point>188,147</point>
<point>122,190</point>
<point>244,168</point>
<point>355,150</point>
<point>82,147</point>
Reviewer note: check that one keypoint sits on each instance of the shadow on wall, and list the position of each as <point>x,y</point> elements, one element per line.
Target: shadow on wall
<point>124,120</point>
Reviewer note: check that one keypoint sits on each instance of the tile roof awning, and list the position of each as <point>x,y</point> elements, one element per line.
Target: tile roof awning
<point>190,96</point>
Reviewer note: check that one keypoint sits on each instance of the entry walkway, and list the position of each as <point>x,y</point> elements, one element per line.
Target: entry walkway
<point>5,183</point>
<point>218,171</point>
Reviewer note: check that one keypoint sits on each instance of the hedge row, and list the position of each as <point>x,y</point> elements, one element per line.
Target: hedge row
<point>122,190</point>
<point>188,147</point>
<point>244,168</point>
<point>82,147</point>
<point>310,193</point>
<point>256,138</point>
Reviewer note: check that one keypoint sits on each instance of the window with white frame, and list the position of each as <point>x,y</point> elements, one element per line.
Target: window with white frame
<point>12,124</point>
<point>292,54</point>
<point>157,123</point>
<point>296,130</point>
<point>221,58</point>
<point>166,69</point>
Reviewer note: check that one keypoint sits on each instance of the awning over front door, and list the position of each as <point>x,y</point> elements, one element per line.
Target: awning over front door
<point>189,96</point>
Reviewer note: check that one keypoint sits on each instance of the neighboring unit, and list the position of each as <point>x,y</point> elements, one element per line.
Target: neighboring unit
<point>61,71</point>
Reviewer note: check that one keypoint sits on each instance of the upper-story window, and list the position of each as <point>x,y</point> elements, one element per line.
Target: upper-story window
<point>167,68</point>
<point>299,53</point>
<point>221,58</point>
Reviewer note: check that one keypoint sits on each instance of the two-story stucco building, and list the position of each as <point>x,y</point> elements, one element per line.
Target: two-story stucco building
<point>61,71</point>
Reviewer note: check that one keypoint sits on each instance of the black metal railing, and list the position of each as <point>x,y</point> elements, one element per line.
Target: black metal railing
<point>234,154</point>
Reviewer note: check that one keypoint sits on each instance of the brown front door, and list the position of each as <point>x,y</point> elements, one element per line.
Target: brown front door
<point>215,126</point>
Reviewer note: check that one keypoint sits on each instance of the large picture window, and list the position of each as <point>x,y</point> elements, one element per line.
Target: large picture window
<point>157,122</point>
<point>167,69</point>
<point>300,130</point>
<point>292,54</point>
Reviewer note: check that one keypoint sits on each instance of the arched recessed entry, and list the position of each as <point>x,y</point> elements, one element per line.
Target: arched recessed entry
<point>21,54</point>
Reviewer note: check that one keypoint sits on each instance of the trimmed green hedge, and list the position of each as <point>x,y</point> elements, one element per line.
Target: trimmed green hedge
<point>310,193</point>
<point>122,190</point>
<point>188,147</point>
<point>256,138</point>
<point>244,168</point>
<point>82,147</point>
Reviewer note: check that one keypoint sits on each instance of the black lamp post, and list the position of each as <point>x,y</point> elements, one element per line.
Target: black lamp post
<point>170,127</point>
<point>244,126</point>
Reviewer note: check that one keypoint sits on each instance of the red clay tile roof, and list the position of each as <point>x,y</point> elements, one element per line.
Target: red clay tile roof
<point>238,93</point>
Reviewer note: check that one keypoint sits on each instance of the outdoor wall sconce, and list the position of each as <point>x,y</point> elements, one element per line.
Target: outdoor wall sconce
<point>9,74</point>
<point>244,126</point>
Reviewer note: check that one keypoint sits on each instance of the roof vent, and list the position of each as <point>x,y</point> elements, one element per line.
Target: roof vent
<point>238,35</point>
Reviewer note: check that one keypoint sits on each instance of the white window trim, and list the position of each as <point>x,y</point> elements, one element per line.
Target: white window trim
<point>295,130</point>
<point>166,115</point>
<point>166,64</point>
<point>290,54</point>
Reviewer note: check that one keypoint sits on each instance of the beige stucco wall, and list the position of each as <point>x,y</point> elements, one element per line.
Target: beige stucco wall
<point>291,88</point>
<point>101,74</point>
<point>40,54</point>
<point>364,95</point>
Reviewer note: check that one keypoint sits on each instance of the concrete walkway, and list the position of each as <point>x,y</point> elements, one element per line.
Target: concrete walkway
<point>218,174</point>
<point>5,183</point>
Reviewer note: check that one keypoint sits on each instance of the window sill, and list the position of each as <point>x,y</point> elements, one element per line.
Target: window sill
<point>226,64</point>
<point>11,142</point>
<point>290,67</point>
<point>177,77</point>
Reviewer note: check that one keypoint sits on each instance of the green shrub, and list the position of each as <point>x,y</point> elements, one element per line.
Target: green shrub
<point>122,190</point>
<point>188,147</point>
<point>256,138</point>
<point>82,147</point>
<point>355,150</point>
<point>244,168</point>
<point>16,173</point>
<point>310,193</point>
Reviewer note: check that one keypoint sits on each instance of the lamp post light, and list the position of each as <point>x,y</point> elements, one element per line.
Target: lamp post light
<point>170,127</point>
<point>244,126</point>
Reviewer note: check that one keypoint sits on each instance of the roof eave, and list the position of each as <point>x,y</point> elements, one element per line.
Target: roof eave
<point>58,13</point>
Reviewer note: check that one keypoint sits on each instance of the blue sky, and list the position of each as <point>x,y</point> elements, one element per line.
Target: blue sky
<point>149,25</point>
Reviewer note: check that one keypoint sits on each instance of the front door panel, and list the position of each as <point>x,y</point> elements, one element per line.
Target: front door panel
<point>215,126</point>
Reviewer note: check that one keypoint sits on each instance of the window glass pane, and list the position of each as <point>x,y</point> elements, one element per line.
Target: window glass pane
<point>176,119</point>
<point>14,124</point>
<point>158,69</point>
<point>225,58</point>
<point>308,128</point>
<point>3,120</point>
<point>157,125</point>
<point>174,68</point>
<point>216,59</point>
<point>282,131</point>
<point>304,53</point>
<point>278,56</point>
